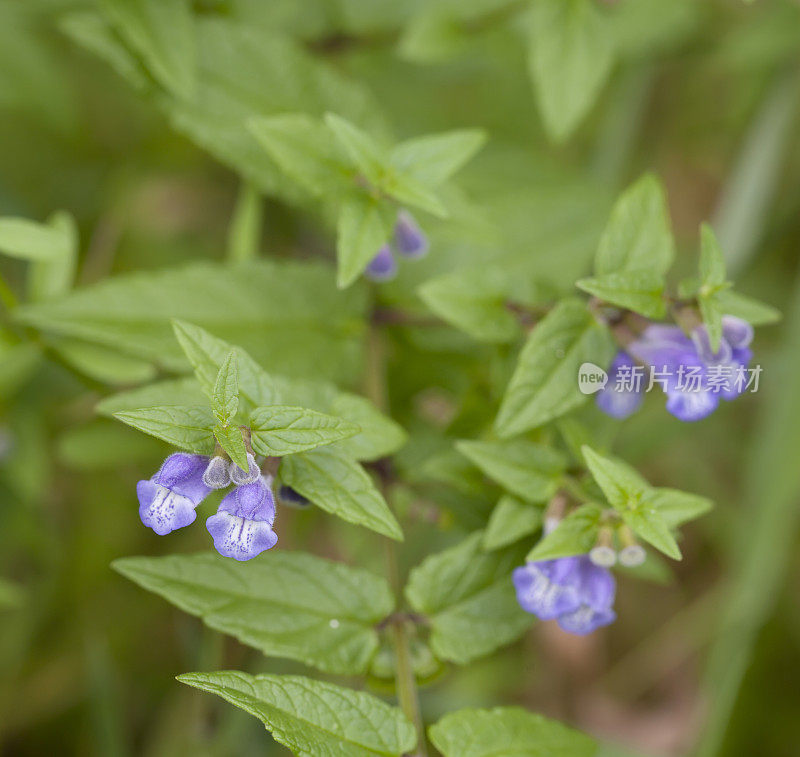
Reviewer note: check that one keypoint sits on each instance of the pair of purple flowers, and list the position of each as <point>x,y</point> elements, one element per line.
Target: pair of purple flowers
<point>242,525</point>
<point>409,240</point>
<point>691,374</point>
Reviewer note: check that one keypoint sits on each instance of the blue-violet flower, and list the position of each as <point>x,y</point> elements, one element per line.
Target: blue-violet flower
<point>242,526</point>
<point>572,590</point>
<point>692,376</point>
<point>168,500</point>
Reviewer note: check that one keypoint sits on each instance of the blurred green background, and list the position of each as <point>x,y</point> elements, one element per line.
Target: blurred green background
<point>704,93</point>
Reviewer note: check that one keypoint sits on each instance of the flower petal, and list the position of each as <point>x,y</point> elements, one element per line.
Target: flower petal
<point>691,406</point>
<point>538,594</point>
<point>240,538</point>
<point>737,332</point>
<point>163,509</point>
<point>584,620</point>
<point>623,394</point>
<point>183,473</point>
<point>252,501</point>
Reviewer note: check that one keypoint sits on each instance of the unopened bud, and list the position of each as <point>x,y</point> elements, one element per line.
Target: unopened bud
<point>383,266</point>
<point>632,556</point>
<point>603,554</point>
<point>216,474</point>
<point>240,477</point>
<point>409,238</point>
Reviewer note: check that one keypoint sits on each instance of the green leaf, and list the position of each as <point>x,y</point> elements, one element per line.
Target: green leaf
<point>511,520</point>
<point>531,471</point>
<point>93,33</point>
<point>360,234</point>
<point>231,440</point>
<point>29,240</point>
<point>379,435</point>
<point>569,58</point>
<point>647,523</point>
<point>574,535</point>
<point>107,366</point>
<point>235,60</point>
<point>434,158</point>
<point>751,310</point>
<point>507,731</point>
<point>676,507</point>
<point>544,385</point>
<point>279,430</point>
<point>469,597</point>
<point>711,312</point>
<point>641,291</point>
<point>305,150</point>
<point>244,231</point>
<point>432,35</point>
<point>53,277</point>
<point>225,397</point>
<point>313,718</point>
<point>712,261</point>
<point>712,280</point>
<point>185,427</point>
<point>360,147</point>
<point>172,392</point>
<point>621,484</point>
<point>339,485</point>
<point>638,234</point>
<point>286,309</point>
<point>286,604</point>
<point>406,190</point>
<point>205,353</point>
<point>637,502</point>
<point>162,33</point>
<point>476,300</point>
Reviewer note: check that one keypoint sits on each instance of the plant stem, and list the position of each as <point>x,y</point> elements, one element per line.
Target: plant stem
<point>405,680</point>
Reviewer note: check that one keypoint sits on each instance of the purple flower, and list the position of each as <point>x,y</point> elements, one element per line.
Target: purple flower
<point>572,590</point>
<point>242,526</point>
<point>409,238</point>
<point>168,500</point>
<point>621,396</point>
<point>690,374</point>
<point>383,266</point>
<point>730,362</point>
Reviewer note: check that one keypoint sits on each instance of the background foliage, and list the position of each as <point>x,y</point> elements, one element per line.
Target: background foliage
<point>146,123</point>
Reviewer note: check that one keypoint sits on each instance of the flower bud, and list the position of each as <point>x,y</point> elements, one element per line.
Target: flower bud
<point>383,266</point>
<point>632,556</point>
<point>409,238</point>
<point>603,554</point>
<point>216,475</point>
<point>238,477</point>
